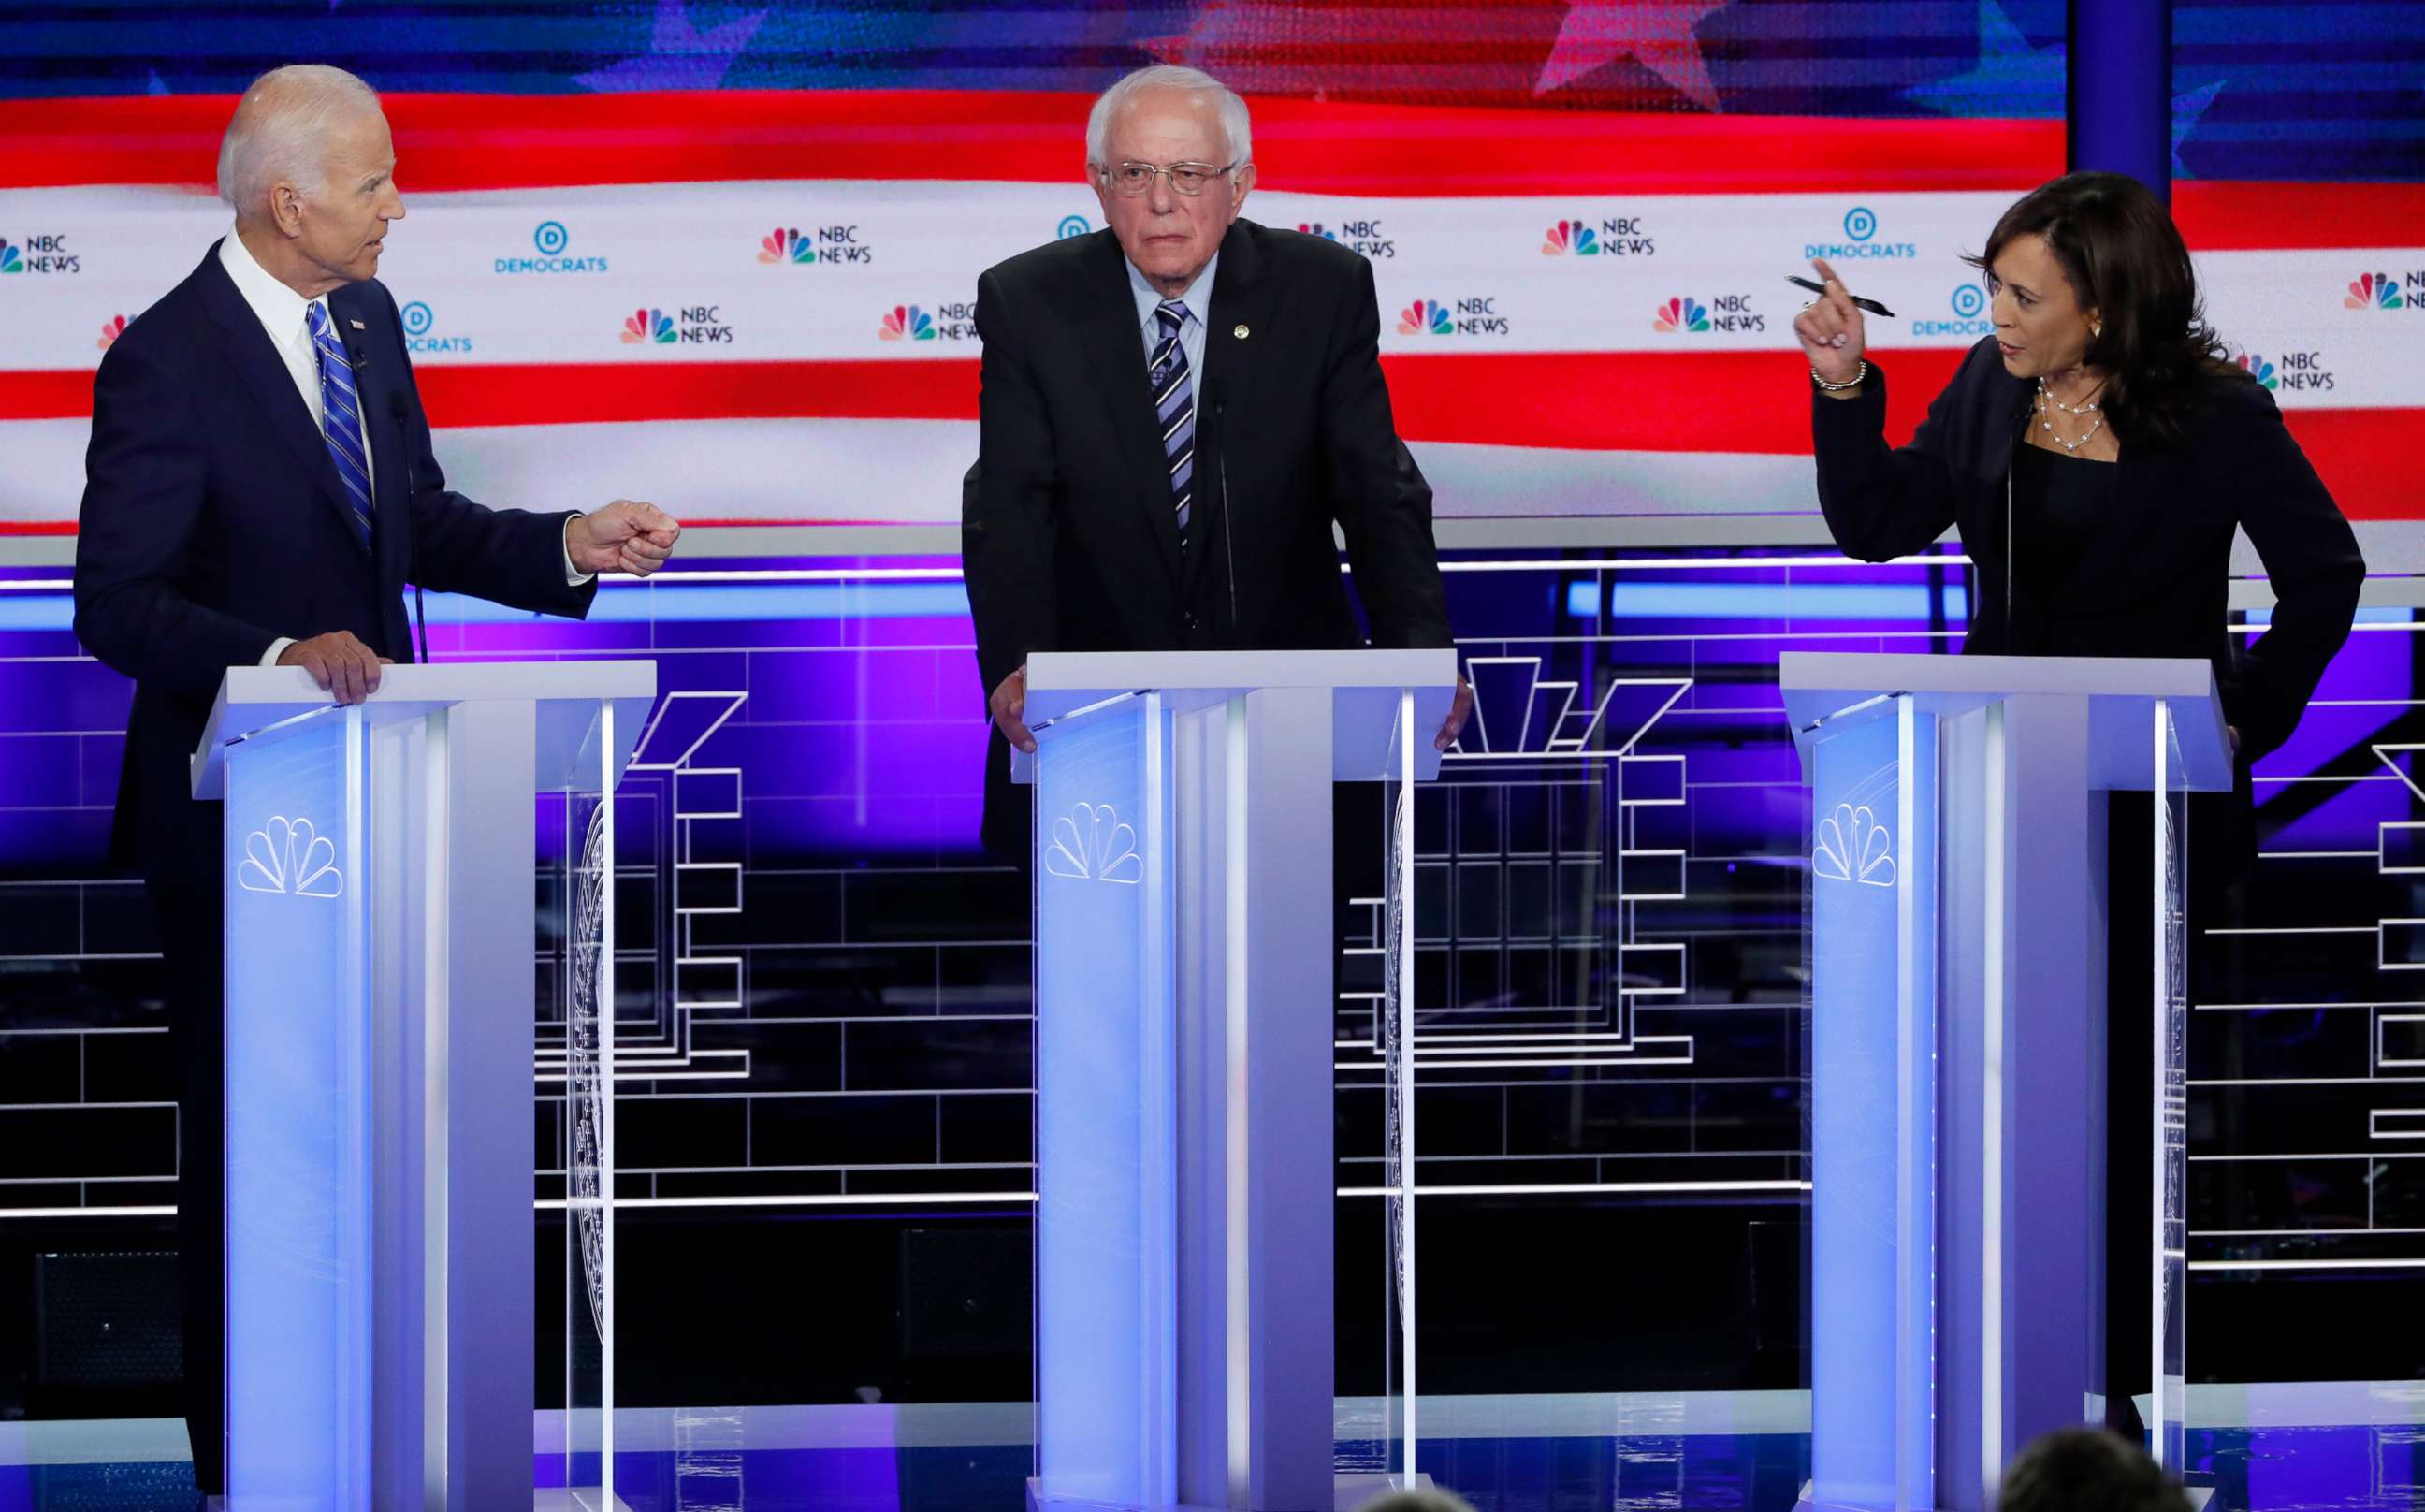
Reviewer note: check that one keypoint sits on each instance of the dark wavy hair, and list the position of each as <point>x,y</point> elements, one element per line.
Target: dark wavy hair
<point>2124,257</point>
<point>2087,1470</point>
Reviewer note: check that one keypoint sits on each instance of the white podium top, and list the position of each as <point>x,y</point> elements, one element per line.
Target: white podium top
<point>1365,685</point>
<point>1820,686</point>
<point>255,703</point>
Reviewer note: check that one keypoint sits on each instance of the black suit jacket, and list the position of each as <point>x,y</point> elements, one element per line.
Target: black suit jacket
<point>213,524</point>
<point>2155,584</point>
<point>1068,539</point>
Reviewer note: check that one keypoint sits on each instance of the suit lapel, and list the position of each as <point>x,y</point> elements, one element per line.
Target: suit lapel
<point>1241,301</point>
<point>1114,343</point>
<point>264,375</point>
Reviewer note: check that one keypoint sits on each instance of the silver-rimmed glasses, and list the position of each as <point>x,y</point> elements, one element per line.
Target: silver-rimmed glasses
<point>1132,178</point>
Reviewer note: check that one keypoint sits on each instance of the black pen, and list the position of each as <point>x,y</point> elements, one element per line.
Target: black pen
<point>1871,305</point>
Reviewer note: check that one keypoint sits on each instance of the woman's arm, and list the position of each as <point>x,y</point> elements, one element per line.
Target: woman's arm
<point>2311,559</point>
<point>1880,503</point>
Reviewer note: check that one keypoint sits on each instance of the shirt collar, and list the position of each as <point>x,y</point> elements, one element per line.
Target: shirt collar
<point>279,308</point>
<point>1197,298</point>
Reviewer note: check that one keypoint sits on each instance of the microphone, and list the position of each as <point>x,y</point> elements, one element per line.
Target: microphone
<point>399,409</point>
<point>1215,401</point>
<point>2020,438</point>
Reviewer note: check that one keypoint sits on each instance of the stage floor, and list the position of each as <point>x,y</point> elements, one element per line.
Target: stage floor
<point>2268,1448</point>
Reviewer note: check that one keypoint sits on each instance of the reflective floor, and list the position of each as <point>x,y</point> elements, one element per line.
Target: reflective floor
<point>2264,1448</point>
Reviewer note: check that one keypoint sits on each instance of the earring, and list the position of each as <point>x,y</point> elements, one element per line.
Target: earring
<point>2095,332</point>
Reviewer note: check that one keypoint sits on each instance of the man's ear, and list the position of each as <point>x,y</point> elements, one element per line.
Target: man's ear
<point>287,209</point>
<point>1241,184</point>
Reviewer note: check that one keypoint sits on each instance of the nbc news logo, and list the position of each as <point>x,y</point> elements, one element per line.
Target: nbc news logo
<point>830,245</point>
<point>1617,236</point>
<point>37,255</point>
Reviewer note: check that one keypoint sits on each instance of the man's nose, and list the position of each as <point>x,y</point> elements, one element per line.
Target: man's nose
<point>1161,199</point>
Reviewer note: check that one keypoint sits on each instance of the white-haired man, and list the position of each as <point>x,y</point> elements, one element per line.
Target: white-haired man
<point>1174,412</point>
<point>258,488</point>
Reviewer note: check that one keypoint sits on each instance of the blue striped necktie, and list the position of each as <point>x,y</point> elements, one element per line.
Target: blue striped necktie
<point>1173,409</point>
<point>341,419</point>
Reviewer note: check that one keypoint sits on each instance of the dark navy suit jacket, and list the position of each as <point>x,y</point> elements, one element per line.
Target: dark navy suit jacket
<point>213,524</point>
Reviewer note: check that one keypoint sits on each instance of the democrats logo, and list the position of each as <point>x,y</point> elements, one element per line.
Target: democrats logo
<point>823,246</point>
<point>954,322</point>
<point>554,244</point>
<point>111,330</point>
<point>1364,236</point>
<point>1860,230</point>
<point>1072,226</point>
<point>420,338</point>
<point>1970,306</point>
<point>1615,236</point>
<point>1477,316</point>
<point>648,327</point>
<point>2369,291</point>
<point>37,255</point>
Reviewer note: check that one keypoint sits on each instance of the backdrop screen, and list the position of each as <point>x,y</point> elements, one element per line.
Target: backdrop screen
<point>728,254</point>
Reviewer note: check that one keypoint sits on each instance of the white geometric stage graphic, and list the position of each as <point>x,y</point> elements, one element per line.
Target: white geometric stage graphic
<point>1853,847</point>
<point>1529,731</point>
<point>1090,843</point>
<point>290,856</point>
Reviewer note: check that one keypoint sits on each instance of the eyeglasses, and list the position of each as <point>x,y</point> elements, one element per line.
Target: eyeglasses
<point>1185,178</point>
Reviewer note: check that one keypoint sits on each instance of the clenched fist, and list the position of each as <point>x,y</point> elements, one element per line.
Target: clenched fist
<point>625,536</point>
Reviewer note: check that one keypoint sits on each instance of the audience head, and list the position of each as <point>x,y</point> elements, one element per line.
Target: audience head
<point>2087,1470</point>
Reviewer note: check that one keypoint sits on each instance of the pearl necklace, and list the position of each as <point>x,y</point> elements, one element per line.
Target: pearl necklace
<point>2046,398</point>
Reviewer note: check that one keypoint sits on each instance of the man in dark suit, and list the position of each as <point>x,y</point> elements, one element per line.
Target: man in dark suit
<point>259,487</point>
<point>1175,412</point>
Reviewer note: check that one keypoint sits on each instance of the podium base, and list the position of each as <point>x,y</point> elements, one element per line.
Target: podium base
<point>1350,1490</point>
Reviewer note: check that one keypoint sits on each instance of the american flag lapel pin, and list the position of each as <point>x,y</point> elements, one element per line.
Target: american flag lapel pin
<point>356,324</point>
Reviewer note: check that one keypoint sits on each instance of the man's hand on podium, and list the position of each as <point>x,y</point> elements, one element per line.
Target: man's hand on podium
<point>1008,705</point>
<point>625,536</point>
<point>1457,714</point>
<point>338,662</point>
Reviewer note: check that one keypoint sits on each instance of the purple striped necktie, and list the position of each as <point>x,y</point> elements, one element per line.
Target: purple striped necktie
<point>341,419</point>
<point>1174,410</point>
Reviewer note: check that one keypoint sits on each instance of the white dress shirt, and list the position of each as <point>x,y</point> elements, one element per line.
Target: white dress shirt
<point>1199,301</point>
<point>282,313</point>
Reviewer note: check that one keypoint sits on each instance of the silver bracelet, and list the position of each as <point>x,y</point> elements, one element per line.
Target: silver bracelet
<point>1852,382</point>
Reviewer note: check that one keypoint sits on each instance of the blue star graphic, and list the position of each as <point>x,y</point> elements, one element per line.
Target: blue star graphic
<point>2187,109</point>
<point>2013,78</point>
<point>679,55</point>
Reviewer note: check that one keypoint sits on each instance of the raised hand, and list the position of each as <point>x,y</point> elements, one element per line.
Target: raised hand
<point>1831,331</point>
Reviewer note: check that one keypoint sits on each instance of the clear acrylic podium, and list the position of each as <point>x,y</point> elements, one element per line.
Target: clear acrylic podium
<point>380,915</point>
<point>1184,938</point>
<point>1958,993</point>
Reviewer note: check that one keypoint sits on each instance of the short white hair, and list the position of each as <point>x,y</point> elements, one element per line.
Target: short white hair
<point>1237,130</point>
<point>280,129</point>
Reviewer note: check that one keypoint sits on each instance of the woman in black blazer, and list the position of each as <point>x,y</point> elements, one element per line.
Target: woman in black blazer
<point>2097,454</point>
